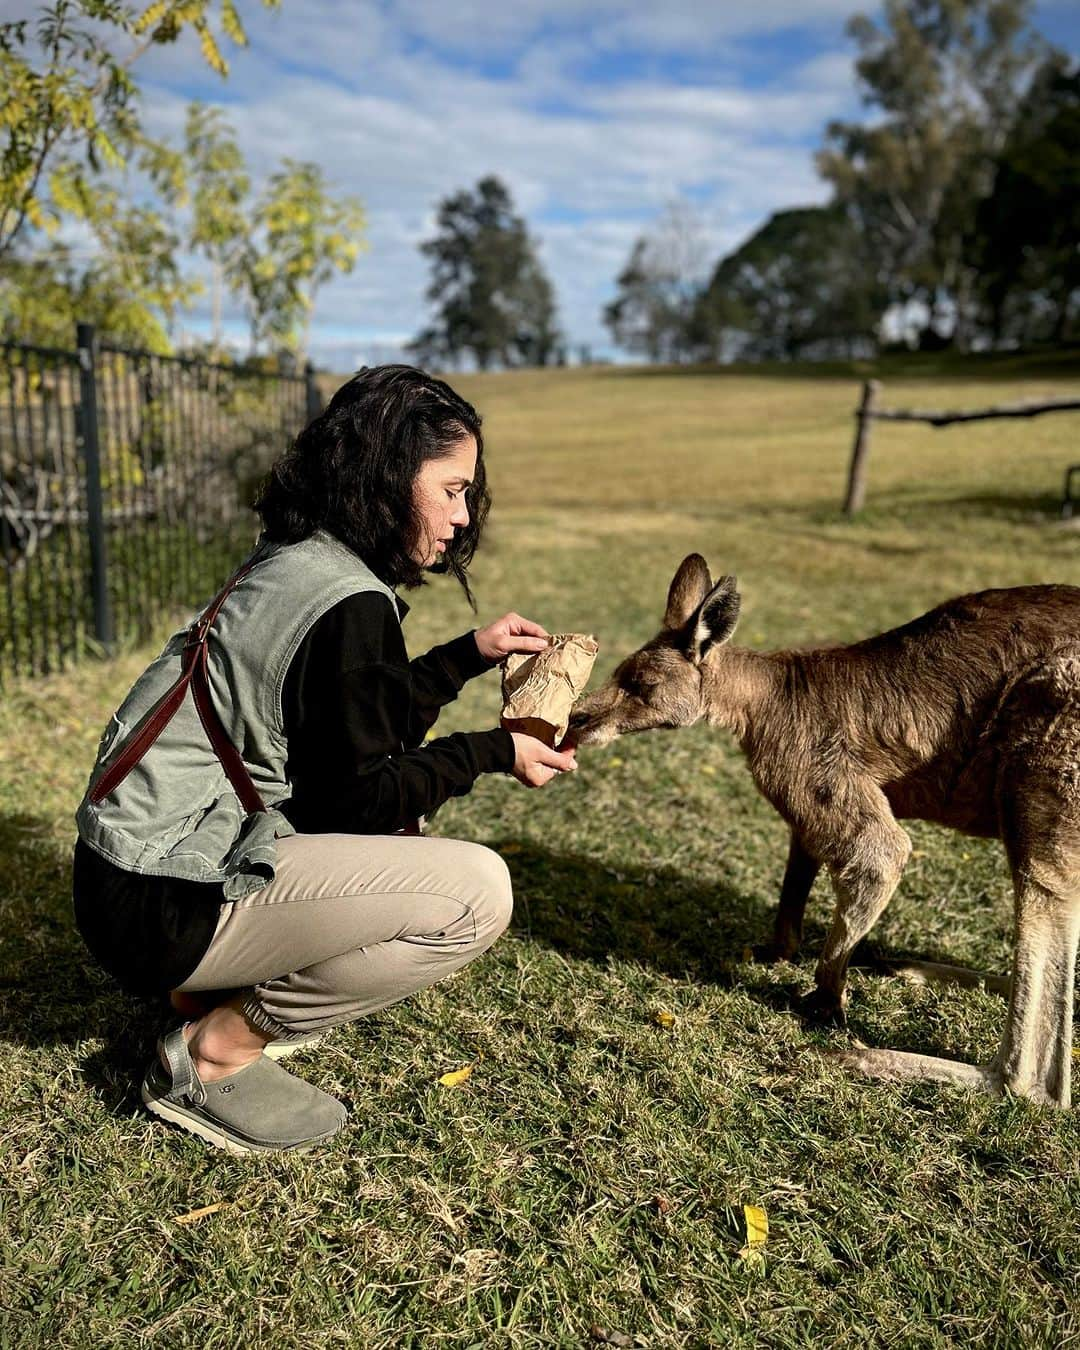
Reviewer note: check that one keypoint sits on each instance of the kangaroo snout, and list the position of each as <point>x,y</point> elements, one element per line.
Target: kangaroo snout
<point>591,723</point>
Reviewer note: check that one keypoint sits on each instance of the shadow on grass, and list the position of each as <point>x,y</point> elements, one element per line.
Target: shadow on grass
<point>51,991</point>
<point>665,920</point>
<point>656,916</point>
<point>53,994</point>
<point>1038,508</point>
<point>914,507</point>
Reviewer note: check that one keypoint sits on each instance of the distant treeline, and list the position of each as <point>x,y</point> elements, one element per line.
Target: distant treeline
<point>954,219</point>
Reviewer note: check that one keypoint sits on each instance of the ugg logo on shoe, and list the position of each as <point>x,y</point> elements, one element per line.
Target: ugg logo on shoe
<point>227,1087</point>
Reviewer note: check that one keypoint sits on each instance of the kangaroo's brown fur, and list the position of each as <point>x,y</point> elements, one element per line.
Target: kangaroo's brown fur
<point>968,716</point>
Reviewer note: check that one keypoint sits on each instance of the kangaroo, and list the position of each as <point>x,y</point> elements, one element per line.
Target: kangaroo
<point>968,716</point>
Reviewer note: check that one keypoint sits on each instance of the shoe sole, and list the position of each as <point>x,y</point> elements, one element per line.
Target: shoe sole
<point>199,1125</point>
<point>283,1049</point>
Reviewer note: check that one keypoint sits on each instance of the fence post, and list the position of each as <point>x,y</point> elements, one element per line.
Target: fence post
<point>314,398</point>
<point>856,487</point>
<point>87,432</point>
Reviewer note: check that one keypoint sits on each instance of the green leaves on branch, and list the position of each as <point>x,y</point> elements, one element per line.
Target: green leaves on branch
<point>70,124</point>
<point>303,236</point>
<point>1028,227</point>
<point>70,99</point>
<point>800,287</point>
<point>131,287</point>
<point>274,253</point>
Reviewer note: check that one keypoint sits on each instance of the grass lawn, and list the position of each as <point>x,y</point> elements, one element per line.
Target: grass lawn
<point>589,1179</point>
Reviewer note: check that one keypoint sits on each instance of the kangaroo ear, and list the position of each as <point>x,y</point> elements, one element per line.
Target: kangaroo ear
<point>716,619</point>
<point>689,586</point>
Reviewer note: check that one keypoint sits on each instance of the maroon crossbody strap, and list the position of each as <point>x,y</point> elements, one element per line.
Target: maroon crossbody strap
<point>193,672</point>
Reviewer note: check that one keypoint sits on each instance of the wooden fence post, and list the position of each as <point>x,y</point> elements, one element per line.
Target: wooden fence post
<point>87,434</point>
<point>856,488</point>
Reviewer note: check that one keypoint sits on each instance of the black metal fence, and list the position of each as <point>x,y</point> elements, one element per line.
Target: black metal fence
<point>125,487</point>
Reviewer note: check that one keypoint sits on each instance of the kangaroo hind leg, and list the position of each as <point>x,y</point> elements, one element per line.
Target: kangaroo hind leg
<point>1038,791</point>
<point>1039,804</point>
<point>1034,1059</point>
<point>1042,837</point>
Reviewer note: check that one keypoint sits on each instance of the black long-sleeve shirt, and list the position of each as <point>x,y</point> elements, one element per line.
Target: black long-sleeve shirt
<point>356,711</point>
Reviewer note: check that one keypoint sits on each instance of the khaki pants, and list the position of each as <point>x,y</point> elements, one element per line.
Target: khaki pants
<point>353,923</point>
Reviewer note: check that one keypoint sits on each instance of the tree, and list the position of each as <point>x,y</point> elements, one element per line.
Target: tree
<point>71,104</point>
<point>301,236</point>
<point>219,185</point>
<point>42,297</point>
<point>272,254</point>
<point>1028,228</point>
<point>131,287</point>
<point>800,286</point>
<point>944,77</point>
<point>494,301</point>
<point>658,290</point>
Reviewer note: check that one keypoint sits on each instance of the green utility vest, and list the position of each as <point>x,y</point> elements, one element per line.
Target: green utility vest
<point>176,814</point>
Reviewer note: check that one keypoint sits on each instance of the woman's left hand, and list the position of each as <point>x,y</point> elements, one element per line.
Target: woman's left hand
<point>509,634</point>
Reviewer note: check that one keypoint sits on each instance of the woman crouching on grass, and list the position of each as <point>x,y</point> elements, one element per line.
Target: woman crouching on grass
<point>249,840</point>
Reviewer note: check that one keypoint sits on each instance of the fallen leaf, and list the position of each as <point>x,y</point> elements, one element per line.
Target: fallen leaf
<point>662,1203</point>
<point>508,850</point>
<point>458,1076</point>
<point>748,954</point>
<point>757,1234</point>
<point>708,768</point>
<point>195,1215</point>
<point>663,1018</point>
<point>616,762</point>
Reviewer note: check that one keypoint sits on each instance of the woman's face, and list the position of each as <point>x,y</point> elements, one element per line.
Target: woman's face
<point>439,500</point>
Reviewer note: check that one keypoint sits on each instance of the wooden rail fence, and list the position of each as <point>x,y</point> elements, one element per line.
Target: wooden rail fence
<point>868,412</point>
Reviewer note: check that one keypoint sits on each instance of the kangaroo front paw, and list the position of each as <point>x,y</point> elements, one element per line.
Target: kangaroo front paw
<point>822,1008</point>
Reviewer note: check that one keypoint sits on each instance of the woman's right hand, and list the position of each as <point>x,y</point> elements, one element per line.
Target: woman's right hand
<point>535,764</point>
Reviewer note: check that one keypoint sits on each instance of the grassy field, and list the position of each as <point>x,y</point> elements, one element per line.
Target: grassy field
<point>588,1181</point>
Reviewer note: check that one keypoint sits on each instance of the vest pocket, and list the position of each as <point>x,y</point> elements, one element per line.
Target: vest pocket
<point>210,833</point>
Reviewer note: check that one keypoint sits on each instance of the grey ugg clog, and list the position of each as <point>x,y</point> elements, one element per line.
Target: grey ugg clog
<point>260,1109</point>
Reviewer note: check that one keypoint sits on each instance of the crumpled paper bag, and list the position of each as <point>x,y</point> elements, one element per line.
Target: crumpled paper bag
<point>539,689</point>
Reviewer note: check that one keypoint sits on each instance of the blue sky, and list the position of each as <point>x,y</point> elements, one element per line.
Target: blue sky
<point>598,114</point>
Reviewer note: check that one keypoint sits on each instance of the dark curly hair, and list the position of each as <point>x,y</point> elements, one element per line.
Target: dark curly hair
<point>351,472</point>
